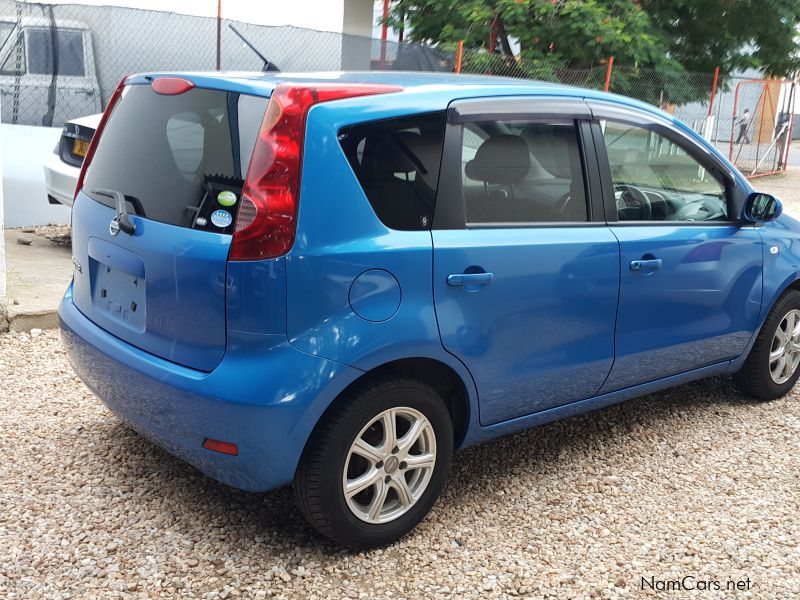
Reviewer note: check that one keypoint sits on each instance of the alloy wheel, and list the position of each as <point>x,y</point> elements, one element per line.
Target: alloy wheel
<point>389,465</point>
<point>784,354</point>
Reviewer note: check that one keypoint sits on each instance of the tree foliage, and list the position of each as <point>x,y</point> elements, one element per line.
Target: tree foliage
<point>665,35</point>
<point>731,34</point>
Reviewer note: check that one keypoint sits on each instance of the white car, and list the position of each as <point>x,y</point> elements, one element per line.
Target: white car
<point>62,169</point>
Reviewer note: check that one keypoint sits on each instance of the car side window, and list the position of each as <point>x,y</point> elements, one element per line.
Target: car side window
<point>655,179</point>
<point>9,66</point>
<point>397,163</point>
<point>516,172</point>
<point>69,49</point>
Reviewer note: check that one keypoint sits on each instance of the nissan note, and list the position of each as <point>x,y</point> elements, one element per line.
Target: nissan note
<point>338,280</point>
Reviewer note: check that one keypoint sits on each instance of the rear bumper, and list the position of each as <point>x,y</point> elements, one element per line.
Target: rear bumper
<point>265,396</point>
<point>60,179</point>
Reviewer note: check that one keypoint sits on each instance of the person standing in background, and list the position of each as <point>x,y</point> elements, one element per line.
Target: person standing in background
<point>782,130</point>
<point>744,124</point>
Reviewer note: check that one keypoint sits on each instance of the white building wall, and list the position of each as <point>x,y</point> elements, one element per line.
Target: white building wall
<point>358,17</point>
<point>2,238</point>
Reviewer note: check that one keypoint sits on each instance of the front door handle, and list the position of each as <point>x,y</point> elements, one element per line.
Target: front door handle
<point>646,265</point>
<point>469,279</point>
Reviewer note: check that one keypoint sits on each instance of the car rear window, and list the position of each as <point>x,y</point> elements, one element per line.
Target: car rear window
<point>397,164</point>
<point>178,159</point>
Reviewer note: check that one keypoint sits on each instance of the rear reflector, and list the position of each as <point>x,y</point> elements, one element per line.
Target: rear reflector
<point>221,447</point>
<point>267,218</point>
<point>171,86</point>
<point>112,102</point>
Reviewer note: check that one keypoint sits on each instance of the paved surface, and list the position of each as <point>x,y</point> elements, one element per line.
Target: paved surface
<point>785,186</point>
<point>696,481</point>
<point>794,154</point>
<point>38,273</point>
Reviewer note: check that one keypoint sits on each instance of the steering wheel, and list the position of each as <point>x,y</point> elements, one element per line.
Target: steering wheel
<point>632,197</point>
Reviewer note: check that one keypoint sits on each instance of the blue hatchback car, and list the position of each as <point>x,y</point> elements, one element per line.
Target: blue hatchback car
<point>337,280</point>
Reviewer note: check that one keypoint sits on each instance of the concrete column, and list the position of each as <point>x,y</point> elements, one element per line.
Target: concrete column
<point>2,243</point>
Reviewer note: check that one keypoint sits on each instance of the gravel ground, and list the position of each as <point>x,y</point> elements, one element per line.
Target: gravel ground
<point>693,481</point>
<point>59,234</point>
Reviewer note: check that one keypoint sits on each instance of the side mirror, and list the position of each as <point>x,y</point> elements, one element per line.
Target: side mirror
<point>762,207</point>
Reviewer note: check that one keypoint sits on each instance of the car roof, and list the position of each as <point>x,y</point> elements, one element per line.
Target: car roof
<point>264,82</point>
<point>442,85</point>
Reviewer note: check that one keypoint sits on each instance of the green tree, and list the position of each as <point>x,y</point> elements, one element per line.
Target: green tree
<point>731,34</point>
<point>575,34</point>
<point>665,35</point>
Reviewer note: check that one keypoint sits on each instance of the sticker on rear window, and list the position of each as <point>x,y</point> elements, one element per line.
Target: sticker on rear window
<point>221,218</point>
<point>226,198</point>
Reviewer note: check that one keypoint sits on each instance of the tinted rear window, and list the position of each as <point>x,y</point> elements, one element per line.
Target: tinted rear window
<point>397,164</point>
<point>178,159</point>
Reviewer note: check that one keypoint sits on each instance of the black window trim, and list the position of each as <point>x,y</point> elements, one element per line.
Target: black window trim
<point>450,210</point>
<point>652,122</point>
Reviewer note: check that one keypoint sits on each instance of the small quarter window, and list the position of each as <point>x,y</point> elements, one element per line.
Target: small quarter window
<point>397,164</point>
<point>522,172</point>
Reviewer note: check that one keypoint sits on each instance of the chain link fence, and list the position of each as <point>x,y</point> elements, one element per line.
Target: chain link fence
<point>756,142</point>
<point>59,62</point>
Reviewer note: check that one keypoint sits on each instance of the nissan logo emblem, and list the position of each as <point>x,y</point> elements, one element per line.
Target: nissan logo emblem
<point>113,227</point>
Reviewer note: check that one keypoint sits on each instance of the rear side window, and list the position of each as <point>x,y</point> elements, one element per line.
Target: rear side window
<point>397,164</point>
<point>178,159</point>
<point>522,172</point>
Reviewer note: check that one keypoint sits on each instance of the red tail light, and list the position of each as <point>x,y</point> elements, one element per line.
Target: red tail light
<point>112,102</point>
<point>267,218</point>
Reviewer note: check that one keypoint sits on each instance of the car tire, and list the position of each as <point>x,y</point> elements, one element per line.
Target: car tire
<point>349,449</point>
<point>761,376</point>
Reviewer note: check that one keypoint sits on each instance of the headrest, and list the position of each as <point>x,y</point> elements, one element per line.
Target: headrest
<point>503,159</point>
<point>388,153</point>
<point>552,147</point>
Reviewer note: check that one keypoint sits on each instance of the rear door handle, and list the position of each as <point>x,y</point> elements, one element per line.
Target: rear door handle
<point>464,279</point>
<point>646,265</point>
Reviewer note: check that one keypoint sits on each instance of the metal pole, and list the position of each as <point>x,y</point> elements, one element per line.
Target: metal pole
<point>792,100</point>
<point>459,55</point>
<point>609,67</point>
<point>384,32</point>
<point>733,122</point>
<point>219,34</point>
<point>713,91</point>
<point>708,128</point>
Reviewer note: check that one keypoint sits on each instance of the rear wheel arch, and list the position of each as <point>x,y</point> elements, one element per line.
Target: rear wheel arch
<point>443,378</point>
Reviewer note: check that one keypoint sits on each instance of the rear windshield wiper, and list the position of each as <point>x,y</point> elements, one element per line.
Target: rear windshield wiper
<point>122,219</point>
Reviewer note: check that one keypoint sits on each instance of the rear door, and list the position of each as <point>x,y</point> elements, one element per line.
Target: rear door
<point>525,280</point>
<point>179,162</point>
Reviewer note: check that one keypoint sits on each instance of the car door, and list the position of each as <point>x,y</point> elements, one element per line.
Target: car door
<point>525,279</point>
<point>690,286</point>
